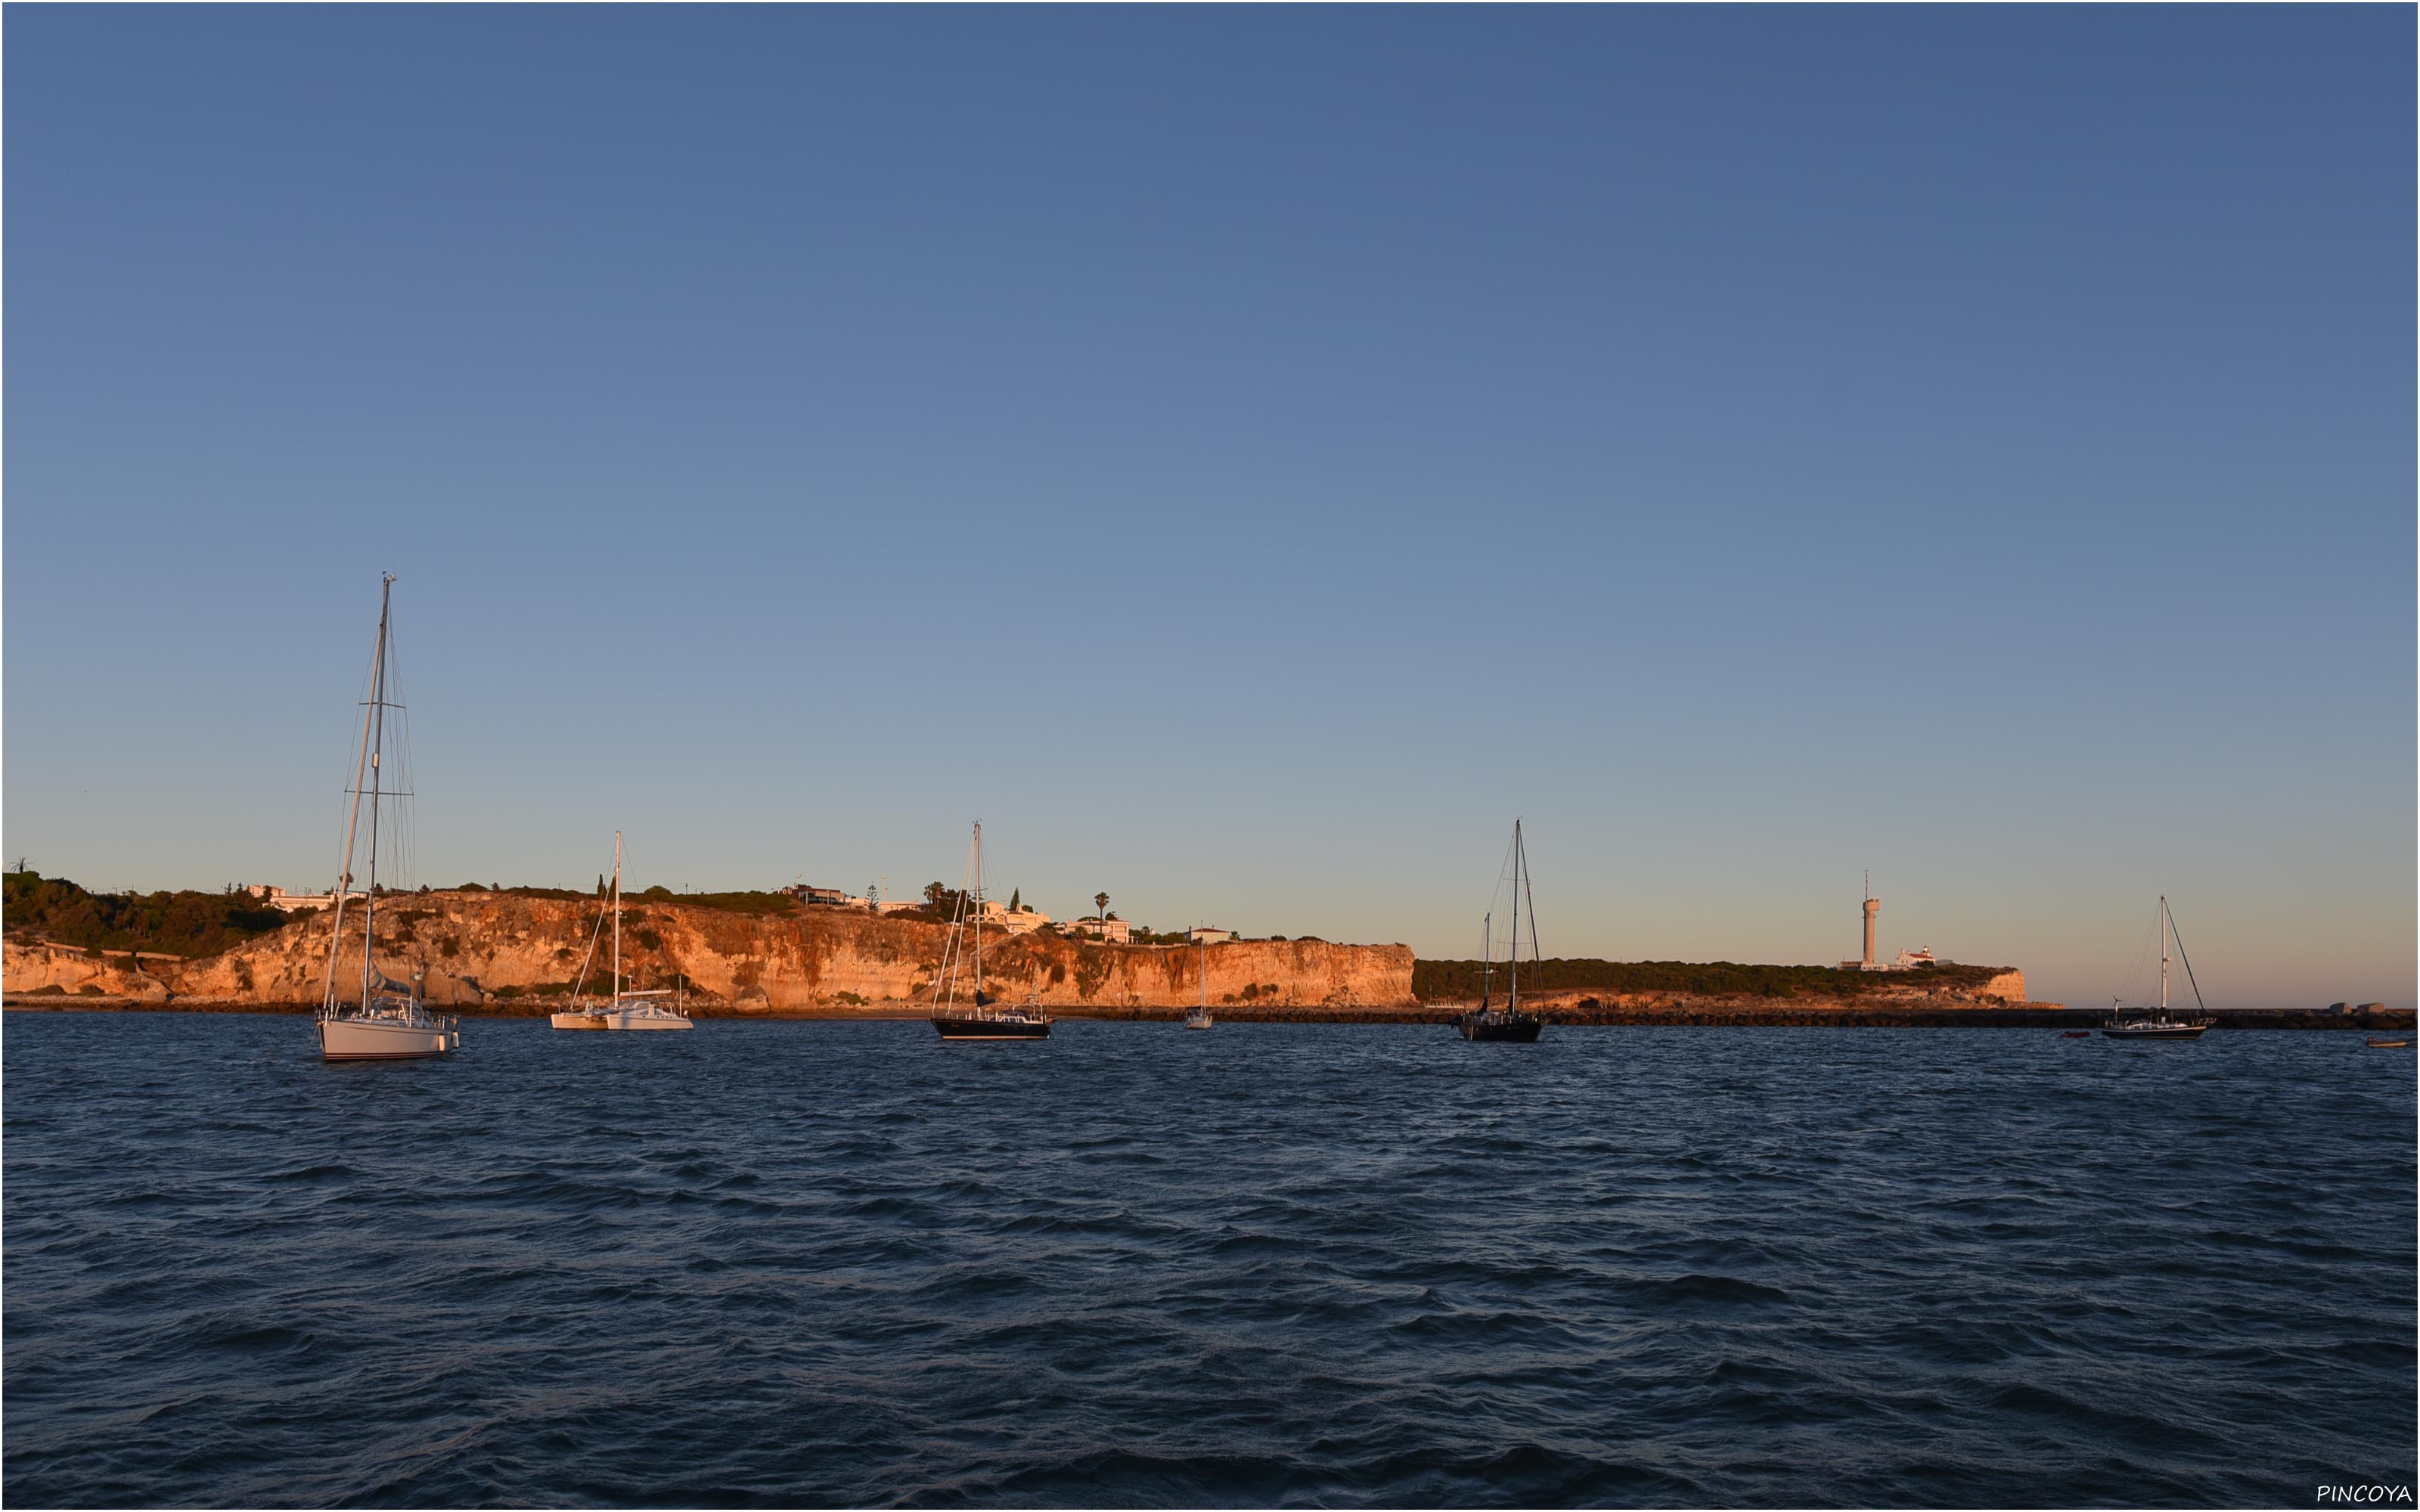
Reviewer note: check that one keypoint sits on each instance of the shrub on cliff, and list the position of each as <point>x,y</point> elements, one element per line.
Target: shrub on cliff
<point>172,923</point>
<point>1455,980</point>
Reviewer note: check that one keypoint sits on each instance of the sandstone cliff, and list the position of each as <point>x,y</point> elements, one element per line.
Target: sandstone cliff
<point>503,952</point>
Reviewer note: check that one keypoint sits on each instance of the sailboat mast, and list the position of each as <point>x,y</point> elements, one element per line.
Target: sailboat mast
<point>976,903</point>
<point>378,746</point>
<point>2163,953</point>
<point>1487,952</point>
<point>1513,992</point>
<point>352,831</point>
<point>617,919</point>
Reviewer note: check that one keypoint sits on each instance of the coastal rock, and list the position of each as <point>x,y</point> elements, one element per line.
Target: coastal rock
<point>38,969</point>
<point>511,953</point>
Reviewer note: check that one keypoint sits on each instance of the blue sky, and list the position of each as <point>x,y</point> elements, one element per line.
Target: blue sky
<point>1244,457</point>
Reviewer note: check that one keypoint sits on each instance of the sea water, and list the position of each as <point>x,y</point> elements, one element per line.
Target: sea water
<point>846,1263</point>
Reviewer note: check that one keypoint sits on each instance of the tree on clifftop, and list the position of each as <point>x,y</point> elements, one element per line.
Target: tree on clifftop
<point>1100,905</point>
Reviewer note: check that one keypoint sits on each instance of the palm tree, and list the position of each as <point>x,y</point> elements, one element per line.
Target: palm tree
<point>1101,906</point>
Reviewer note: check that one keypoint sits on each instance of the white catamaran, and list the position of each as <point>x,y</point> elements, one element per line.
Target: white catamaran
<point>980,1019</point>
<point>626,1009</point>
<point>2159,1023</point>
<point>388,1022</point>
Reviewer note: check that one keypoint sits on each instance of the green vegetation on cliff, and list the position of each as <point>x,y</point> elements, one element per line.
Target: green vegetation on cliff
<point>1434,980</point>
<point>169,923</point>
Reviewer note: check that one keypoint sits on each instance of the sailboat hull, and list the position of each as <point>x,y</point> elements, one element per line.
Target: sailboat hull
<point>646,1021</point>
<point>973,1027</point>
<point>342,1039</point>
<point>1511,1028</point>
<point>2162,1031</point>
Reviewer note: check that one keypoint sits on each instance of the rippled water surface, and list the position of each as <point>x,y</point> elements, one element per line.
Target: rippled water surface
<point>846,1263</point>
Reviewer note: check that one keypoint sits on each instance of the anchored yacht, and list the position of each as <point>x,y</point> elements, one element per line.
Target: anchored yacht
<point>1507,1023</point>
<point>2158,1023</point>
<point>388,1022</point>
<point>980,1017</point>
<point>625,1010</point>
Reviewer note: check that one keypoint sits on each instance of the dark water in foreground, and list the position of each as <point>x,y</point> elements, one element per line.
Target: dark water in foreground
<point>846,1263</point>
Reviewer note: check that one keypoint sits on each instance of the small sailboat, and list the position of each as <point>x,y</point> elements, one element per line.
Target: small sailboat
<point>978,1019</point>
<point>389,1023</point>
<point>1507,1023</point>
<point>1198,1017</point>
<point>2159,1023</point>
<point>626,1010</point>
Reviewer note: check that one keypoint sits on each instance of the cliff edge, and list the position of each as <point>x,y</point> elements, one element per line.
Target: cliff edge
<point>510,952</point>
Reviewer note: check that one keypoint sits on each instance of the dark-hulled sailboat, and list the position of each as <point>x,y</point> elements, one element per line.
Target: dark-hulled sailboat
<point>979,1019</point>
<point>1507,1023</point>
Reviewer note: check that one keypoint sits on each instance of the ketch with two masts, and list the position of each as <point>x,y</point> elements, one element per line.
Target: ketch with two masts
<point>977,1019</point>
<point>625,1010</point>
<point>388,1022</point>
<point>1509,1023</point>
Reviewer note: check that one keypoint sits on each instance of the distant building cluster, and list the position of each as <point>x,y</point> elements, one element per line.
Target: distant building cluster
<point>1022,918</point>
<point>835,898</point>
<point>290,902</point>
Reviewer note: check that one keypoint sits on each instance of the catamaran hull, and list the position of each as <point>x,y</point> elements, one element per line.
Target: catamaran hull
<point>619,1020</point>
<point>1522,1030</point>
<point>371,1039</point>
<point>992,1028</point>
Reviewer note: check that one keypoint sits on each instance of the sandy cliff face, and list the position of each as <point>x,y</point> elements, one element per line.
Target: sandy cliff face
<point>48,970</point>
<point>490,951</point>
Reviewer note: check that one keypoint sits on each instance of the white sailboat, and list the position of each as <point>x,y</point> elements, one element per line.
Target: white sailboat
<point>388,1022</point>
<point>626,1010</point>
<point>2159,1023</point>
<point>1199,1018</point>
